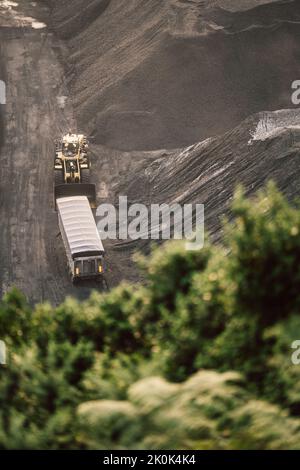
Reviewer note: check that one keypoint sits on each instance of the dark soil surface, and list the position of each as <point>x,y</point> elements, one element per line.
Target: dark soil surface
<point>31,249</point>
<point>264,147</point>
<point>152,74</point>
<point>141,78</point>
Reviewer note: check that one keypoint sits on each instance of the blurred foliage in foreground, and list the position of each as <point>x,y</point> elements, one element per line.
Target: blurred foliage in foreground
<point>197,358</point>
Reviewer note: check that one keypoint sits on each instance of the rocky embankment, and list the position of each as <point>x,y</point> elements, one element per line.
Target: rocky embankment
<point>265,146</point>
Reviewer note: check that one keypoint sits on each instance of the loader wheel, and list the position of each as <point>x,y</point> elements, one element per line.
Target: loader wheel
<point>59,179</point>
<point>85,176</point>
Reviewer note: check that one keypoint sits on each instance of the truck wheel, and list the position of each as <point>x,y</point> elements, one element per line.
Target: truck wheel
<point>85,175</point>
<point>59,179</point>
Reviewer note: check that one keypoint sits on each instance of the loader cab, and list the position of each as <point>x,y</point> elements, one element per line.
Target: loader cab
<point>70,150</point>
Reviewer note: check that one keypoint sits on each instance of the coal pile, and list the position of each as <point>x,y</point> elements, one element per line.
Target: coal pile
<point>147,74</point>
<point>264,147</point>
<point>206,77</point>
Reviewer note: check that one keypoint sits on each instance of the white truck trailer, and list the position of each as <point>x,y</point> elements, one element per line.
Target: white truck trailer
<point>83,245</point>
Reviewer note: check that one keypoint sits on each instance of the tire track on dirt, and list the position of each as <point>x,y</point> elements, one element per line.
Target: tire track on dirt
<point>32,255</point>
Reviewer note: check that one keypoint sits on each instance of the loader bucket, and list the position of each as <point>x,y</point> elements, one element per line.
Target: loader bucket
<point>76,189</point>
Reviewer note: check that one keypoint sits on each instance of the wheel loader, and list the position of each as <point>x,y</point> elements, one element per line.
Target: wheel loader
<point>72,168</point>
<point>72,163</point>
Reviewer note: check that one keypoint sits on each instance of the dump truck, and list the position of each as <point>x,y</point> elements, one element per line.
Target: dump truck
<point>83,245</point>
<point>72,168</point>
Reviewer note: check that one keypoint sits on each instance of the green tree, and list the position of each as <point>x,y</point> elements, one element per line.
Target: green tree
<point>197,357</point>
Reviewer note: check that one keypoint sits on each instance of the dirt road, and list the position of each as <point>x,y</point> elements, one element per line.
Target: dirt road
<point>38,110</point>
<point>32,254</point>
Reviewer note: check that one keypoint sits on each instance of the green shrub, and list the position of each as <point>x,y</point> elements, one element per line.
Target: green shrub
<point>98,373</point>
